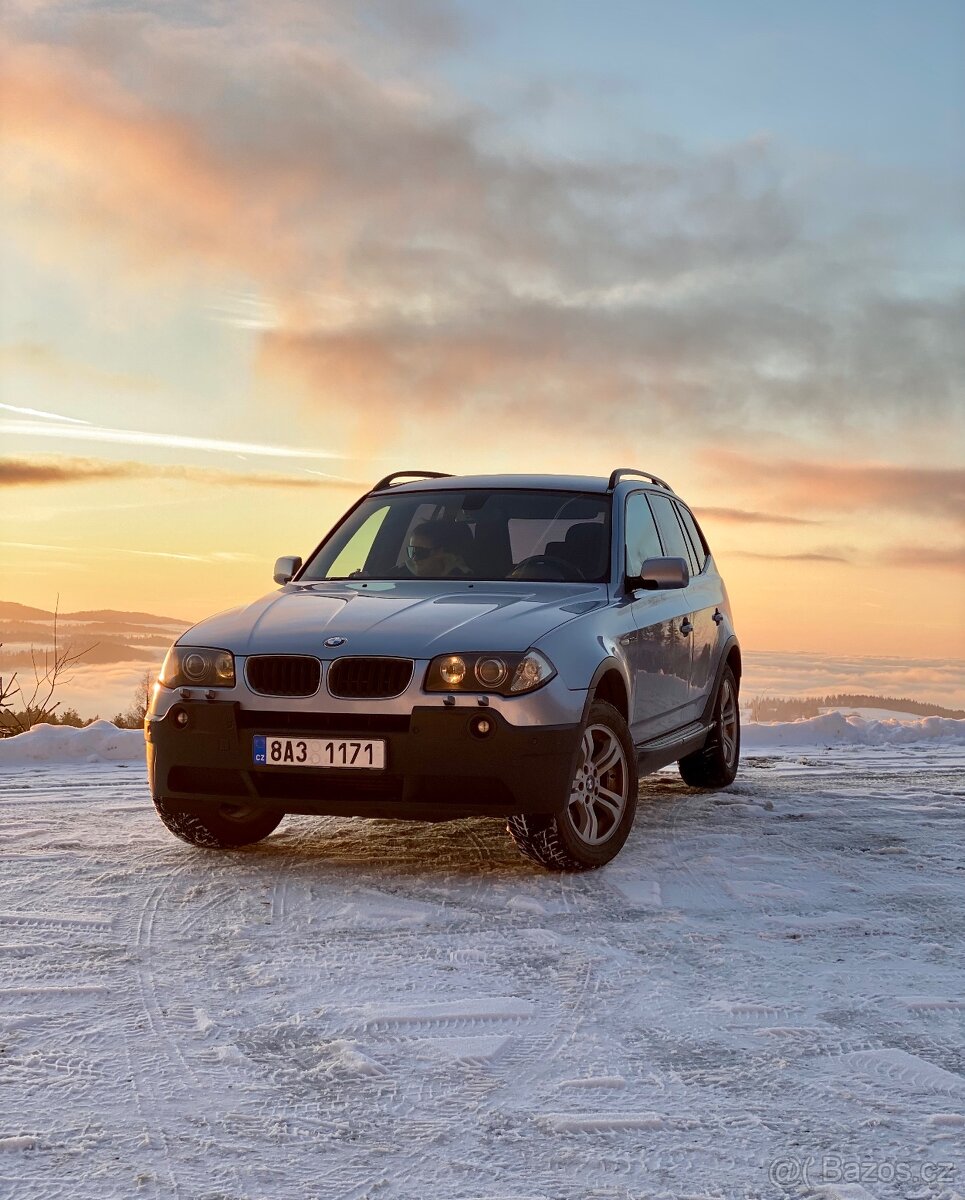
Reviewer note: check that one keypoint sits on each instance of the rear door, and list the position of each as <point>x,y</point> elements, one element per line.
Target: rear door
<point>706,617</point>
<point>658,651</point>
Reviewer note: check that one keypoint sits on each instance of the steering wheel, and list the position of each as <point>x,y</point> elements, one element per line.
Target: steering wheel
<point>546,560</point>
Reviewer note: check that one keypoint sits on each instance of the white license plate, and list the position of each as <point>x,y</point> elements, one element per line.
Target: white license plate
<point>271,751</point>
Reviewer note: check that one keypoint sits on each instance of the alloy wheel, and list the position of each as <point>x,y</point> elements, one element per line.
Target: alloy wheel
<point>598,796</point>
<point>727,722</point>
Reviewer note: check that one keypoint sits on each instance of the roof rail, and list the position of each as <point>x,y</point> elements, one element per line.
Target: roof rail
<point>619,473</point>
<point>389,480</point>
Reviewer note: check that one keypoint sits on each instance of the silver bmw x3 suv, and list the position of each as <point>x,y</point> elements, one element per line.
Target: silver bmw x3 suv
<point>519,646</point>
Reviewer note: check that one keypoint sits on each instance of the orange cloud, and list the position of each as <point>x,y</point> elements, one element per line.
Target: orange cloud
<point>60,469</point>
<point>842,487</point>
<point>92,154</point>
<point>743,516</point>
<point>929,557</point>
<point>813,556</point>
<point>43,359</point>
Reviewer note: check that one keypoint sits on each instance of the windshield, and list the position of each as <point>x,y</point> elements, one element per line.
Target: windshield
<point>474,535</point>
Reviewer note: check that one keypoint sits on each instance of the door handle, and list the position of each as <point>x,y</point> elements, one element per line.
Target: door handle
<point>718,617</point>
<point>687,626</point>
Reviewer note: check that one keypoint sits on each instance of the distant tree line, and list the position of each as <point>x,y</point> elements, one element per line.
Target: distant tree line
<point>781,708</point>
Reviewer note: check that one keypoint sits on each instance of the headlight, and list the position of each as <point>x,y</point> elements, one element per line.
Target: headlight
<point>197,666</point>
<point>504,674</point>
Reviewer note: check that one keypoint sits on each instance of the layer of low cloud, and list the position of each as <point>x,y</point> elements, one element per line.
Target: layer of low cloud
<point>110,689</point>
<point>782,673</point>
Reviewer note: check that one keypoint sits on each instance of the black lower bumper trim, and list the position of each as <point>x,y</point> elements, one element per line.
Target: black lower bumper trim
<point>436,769</point>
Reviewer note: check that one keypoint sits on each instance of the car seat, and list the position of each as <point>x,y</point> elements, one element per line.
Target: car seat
<point>586,548</point>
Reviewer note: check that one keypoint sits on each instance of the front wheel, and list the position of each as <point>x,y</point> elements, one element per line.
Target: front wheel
<point>715,766</point>
<point>598,815</point>
<point>222,828</point>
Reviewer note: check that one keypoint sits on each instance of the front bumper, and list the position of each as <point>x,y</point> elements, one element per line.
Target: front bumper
<point>436,769</point>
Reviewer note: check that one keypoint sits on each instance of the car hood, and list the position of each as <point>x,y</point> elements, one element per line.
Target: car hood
<point>416,619</point>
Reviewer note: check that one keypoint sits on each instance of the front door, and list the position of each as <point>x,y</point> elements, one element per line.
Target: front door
<point>660,652</point>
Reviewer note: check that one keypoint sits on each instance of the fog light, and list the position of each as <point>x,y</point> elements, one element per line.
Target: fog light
<point>481,727</point>
<point>181,719</point>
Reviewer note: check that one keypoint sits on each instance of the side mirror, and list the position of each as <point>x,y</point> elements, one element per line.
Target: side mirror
<point>286,567</point>
<point>660,574</point>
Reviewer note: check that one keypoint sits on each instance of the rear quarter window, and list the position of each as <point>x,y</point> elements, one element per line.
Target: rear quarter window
<point>676,544</point>
<point>697,539</point>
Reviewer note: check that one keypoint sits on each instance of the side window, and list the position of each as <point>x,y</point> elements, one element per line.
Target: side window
<point>353,556</point>
<point>641,533</point>
<point>700,546</point>
<point>675,544</point>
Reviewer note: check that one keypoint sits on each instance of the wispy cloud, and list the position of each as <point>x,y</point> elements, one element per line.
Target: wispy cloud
<point>812,557</point>
<point>743,516</point>
<point>941,558</point>
<point>38,412</point>
<point>109,551</point>
<point>61,469</point>
<point>810,486</point>
<point>176,441</point>
<point>41,359</point>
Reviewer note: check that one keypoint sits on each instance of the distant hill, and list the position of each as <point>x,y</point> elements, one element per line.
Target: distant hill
<point>110,614</point>
<point>10,611</point>
<point>112,635</point>
<point>22,612</point>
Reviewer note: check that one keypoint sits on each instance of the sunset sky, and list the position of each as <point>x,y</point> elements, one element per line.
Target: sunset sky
<point>254,256</point>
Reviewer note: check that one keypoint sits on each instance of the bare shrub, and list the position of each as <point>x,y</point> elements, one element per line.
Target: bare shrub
<point>51,670</point>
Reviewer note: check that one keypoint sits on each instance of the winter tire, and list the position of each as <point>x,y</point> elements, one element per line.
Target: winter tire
<point>222,828</point>
<point>715,766</point>
<point>598,814</point>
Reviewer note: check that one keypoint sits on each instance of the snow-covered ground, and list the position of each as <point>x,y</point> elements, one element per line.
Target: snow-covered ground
<point>768,983</point>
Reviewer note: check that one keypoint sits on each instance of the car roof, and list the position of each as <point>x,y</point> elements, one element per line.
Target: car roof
<point>550,483</point>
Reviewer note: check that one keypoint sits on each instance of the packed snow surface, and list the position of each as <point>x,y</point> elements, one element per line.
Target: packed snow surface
<point>767,979</point>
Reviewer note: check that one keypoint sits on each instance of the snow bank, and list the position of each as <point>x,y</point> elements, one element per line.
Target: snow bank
<point>841,729</point>
<point>104,742</point>
<point>96,743</point>
<point>875,714</point>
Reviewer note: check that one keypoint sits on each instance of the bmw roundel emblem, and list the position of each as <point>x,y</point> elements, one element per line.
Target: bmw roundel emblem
<point>335,641</point>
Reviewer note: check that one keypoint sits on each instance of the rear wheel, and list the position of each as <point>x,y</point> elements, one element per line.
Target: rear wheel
<point>221,828</point>
<point>715,766</point>
<point>599,811</point>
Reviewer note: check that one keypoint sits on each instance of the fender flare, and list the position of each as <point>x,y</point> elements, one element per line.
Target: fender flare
<point>610,663</point>
<point>708,713</point>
